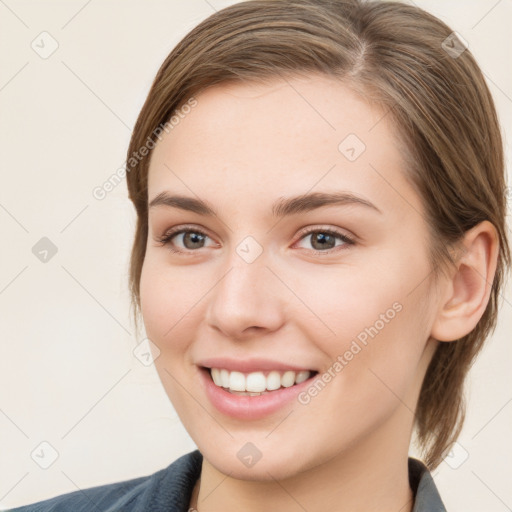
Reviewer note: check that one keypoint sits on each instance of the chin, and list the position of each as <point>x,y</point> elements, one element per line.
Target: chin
<point>258,460</point>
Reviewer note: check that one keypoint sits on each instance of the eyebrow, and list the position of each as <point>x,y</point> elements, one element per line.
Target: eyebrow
<point>284,206</point>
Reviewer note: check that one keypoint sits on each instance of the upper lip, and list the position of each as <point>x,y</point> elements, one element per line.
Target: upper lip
<point>249,365</point>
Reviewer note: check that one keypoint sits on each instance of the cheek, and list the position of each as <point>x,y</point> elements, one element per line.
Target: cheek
<point>167,306</point>
<point>351,300</point>
<point>366,383</point>
<point>379,328</point>
<point>380,365</point>
<point>169,298</point>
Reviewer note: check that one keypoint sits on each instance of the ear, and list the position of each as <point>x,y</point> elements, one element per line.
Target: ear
<point>466,293</point>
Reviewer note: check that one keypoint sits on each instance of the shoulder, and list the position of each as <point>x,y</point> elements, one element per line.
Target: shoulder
<point>156,492</point>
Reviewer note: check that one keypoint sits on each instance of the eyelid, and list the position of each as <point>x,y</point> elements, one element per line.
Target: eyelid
<point>176,230</point>
<point>347,239</point>
<point>326,228</point>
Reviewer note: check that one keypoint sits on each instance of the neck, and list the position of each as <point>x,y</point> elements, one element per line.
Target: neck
<point>372,478</point>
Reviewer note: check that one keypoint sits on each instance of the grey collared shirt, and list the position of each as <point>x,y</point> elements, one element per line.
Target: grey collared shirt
<point>170,490</point>
<point>426,496</point>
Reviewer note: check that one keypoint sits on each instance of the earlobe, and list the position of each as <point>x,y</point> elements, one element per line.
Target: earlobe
<point>467,291</point>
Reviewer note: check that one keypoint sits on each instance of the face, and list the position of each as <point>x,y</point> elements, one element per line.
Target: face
<point>270,290</point>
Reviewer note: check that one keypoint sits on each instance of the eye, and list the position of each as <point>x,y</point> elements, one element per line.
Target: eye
<point>190,239</point>
<point>324,240</point>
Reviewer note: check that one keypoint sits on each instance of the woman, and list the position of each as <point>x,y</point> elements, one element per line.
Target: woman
<point>319,253</point>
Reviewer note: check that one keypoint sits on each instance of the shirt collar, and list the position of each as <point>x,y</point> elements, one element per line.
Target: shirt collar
<point>426,496</point>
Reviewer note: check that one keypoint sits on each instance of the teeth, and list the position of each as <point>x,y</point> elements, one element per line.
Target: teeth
<point>256,383</point>
<point>224,379</point>
<point>273,381</point>
<point>288,379</point>
<point>237,381</point>
<point>215,373</point>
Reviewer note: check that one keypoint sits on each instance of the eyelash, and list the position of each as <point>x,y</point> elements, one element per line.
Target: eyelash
<point>167,237</point>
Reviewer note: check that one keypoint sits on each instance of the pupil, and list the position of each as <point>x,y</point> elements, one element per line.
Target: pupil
<point>322,239</point>
<point>195,238</point>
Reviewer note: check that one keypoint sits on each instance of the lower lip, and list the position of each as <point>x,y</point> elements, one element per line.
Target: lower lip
<point>249,407</point>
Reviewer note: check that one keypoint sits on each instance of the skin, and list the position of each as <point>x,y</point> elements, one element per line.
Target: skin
<point>241,148</point>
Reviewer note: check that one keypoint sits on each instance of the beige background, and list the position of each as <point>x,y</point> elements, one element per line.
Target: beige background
<point>68,376</point>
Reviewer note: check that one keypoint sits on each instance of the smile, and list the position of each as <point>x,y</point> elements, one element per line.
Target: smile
<point>254,394</point>
<point>257,383</point>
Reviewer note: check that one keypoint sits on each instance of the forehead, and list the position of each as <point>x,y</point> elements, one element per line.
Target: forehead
<point>280,138</point>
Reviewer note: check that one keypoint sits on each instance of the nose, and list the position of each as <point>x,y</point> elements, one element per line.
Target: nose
<point>247,300</point>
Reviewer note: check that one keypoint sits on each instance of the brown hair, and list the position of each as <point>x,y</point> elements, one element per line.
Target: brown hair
<point>396,55</point>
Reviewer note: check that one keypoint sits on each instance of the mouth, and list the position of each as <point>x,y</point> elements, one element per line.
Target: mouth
<point>258,382</point>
